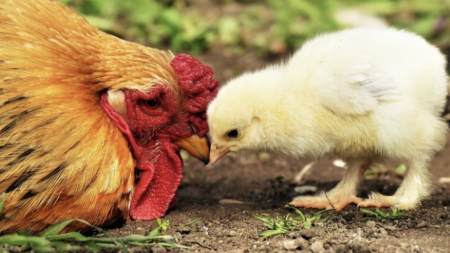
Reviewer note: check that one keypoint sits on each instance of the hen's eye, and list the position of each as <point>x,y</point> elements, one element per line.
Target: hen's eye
<point>152,103</point>
<point>233,133</point>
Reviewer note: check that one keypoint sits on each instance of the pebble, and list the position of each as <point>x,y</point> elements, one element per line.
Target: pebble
<point>371,224</point>
<point>348,216</point>
<point>422,224</point>
<point>141,231</point>
<point>308,233</point>
<point>291,244</point>
<point>294,244</point>
<point>159,249</point>
<point>232,233</point>
<point>317,247</point>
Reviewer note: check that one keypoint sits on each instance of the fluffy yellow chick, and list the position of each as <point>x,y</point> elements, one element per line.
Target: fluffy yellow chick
<point>361,94</point>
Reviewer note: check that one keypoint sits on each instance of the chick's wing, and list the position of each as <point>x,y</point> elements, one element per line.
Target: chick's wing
<point>352,89</point>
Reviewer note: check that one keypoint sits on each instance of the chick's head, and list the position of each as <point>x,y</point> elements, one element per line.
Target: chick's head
<point>241,115</point>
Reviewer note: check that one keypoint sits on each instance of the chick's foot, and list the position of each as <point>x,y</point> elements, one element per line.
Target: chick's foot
<point>336,200</point>
<point>379,200</point>
<point>342,195</point>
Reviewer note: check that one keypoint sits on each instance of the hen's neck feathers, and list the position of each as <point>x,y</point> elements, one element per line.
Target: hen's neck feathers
<point>48,34</point>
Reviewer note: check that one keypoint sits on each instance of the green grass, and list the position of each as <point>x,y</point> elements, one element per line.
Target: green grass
<point>284,225</point>
<point>263,26</point>
<point>382,216</point>
<point>50,240</point>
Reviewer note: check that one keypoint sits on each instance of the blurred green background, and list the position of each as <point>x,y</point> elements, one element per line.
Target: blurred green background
<point>264,26</point>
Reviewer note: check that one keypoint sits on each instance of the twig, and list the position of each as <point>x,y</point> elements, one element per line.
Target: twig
<point>325,192</point>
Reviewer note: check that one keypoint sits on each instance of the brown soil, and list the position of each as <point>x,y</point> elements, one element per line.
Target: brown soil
<point>219,195</point>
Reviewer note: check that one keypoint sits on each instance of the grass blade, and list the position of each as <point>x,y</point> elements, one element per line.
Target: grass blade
<point>270,233</point>
<point>55,229</point>
<point>192,222</point>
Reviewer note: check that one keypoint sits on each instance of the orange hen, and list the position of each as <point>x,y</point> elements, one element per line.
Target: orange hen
<point>91,125</point>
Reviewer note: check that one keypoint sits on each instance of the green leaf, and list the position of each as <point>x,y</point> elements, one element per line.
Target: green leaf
<point>93,246</point>
<point>55,229</point>
<point>368,211</point>
<point>165,224</point>
<point>61,245</point>
<point>319,214</point>
<point>192,222</point>
<point>365,219</point>
<point>122,246</point>
<point>307,224</point>
<point>72,236</point>
<point>20,239</point>
<point>155,232</point>
<point>270,233</point>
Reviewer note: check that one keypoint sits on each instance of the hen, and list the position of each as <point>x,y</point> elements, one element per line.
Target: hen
<point>361,94</point>
<point>91,125</point>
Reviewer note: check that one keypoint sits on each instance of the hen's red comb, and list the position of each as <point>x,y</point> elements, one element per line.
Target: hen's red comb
<point>200,88</point>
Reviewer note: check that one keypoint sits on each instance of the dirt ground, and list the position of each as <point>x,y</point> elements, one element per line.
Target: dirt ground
<point>218,195</point>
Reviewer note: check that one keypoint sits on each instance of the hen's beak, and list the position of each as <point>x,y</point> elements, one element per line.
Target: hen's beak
<point>196,146</point>
<point>217,153</point>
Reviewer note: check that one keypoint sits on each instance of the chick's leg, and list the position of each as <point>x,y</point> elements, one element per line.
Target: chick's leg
<point>415,187</point>
<point>340,196</point>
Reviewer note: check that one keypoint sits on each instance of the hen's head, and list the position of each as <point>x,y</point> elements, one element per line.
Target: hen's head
<point>157,121</point>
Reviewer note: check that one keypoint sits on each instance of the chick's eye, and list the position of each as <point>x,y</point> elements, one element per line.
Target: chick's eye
<point>152,104</point>
<point>233,133</point>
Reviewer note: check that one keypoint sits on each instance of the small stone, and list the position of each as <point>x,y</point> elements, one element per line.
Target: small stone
<point>184,230</point>
<point>232,233</point>
<point>294,244</point>
<point>141,231</point>
<point>159,249</point>
<point>383,231</point>
<point>371,224</point>
<point>317,247</point>
<point>391,228</point>
<point>291,244</point>
<point>422,224</point>
<point>294,234</point>
<point>308,233</point>
<point>348,216</point>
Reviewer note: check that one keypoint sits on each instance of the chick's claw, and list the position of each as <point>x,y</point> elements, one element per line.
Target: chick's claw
<point>335,201</point>
<point>374,203</point>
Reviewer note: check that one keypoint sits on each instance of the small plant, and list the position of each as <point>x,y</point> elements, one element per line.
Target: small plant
<point>382,216</point>
<point>161,229</point>
<point>282,225</point>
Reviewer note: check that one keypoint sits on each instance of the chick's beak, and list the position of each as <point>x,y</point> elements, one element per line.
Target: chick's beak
<point>196,146</point>
<point>217,153</point>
